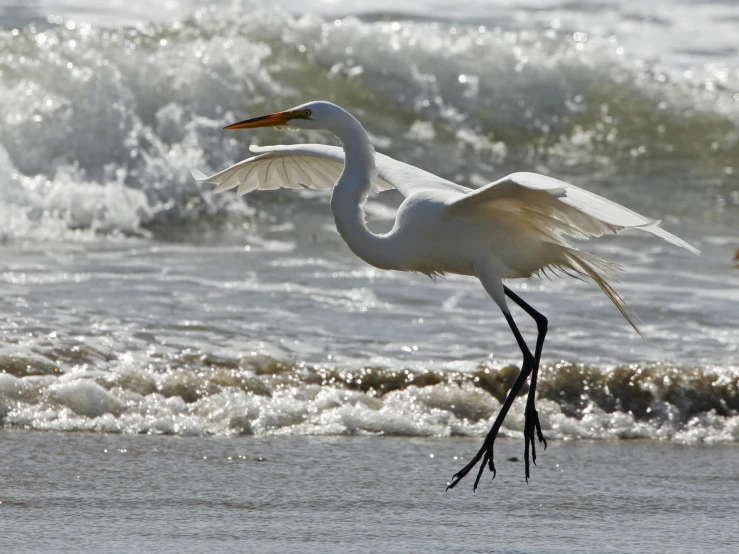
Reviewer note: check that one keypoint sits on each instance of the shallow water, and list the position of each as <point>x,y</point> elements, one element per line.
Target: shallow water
<point>134,300</point>
<point>185,339</point>
<point>328,494</point>
<point>244,381</point>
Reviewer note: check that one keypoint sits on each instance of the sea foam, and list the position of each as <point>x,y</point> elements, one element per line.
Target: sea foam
<point>102,125</point>
<point>657,401</point>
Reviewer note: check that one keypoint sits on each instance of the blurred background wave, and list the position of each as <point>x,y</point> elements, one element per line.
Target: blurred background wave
<point>130,303</point>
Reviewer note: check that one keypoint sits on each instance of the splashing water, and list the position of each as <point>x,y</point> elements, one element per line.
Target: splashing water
<point>129,309</point>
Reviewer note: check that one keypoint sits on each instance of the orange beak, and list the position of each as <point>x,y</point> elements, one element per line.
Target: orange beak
<point>272,120</point>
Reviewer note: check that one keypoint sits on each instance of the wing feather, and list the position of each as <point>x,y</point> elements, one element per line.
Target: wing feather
<point>555,207</point>
<point>262,175</point>
<point>245,185</point>
<point>284,175</point>
<point>324,179</point>
<point>318,166</point>
<point>300,172</point>
<point>228,180</point>
<point>558,208</point>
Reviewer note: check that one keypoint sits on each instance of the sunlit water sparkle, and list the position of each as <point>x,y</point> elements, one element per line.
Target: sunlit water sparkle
<point>137,301</point>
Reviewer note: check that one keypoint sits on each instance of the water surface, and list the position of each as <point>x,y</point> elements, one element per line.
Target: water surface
<point>308,494</point>
<point>136,301</point>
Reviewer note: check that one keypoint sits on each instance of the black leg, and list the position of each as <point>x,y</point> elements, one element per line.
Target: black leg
<point>486,452</point>
<point>531,422</point>
<point>531,426</point>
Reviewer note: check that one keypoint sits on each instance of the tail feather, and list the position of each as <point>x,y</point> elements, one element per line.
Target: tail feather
<point>599,270</point>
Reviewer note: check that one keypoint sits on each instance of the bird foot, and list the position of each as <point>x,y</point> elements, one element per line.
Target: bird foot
<point>532,431</point>
<point>531,428</point>
<point>486,455</point>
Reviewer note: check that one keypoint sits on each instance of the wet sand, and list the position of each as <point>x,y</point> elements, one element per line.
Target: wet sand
<point>119,493</point>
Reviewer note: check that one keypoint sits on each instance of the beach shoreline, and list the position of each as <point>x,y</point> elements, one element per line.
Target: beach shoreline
<point>135,493</point>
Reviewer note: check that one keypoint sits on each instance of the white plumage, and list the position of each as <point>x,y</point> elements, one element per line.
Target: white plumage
<point>319,166</point>
<point>512,228</point>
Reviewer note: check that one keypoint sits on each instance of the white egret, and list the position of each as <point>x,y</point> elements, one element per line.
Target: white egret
<point>510,229</point>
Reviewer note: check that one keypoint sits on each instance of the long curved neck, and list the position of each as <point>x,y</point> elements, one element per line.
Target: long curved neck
<point>351,192</point>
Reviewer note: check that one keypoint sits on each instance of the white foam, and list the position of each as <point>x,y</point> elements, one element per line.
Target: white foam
<point>12,387</point>
<point>85,398</point>
<point>103,143</point>
<point>75,402</point>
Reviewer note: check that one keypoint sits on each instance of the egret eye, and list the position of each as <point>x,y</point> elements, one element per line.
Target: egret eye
<point>307,113</point>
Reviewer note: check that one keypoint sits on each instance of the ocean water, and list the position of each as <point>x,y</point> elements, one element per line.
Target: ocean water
<point>135,301</point>
<point>143,493</point>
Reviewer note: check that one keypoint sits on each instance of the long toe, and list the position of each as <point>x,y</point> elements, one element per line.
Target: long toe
<point>486,455</point>
<point>479,473</point>
<point>491,459</point>
<point>461,474</point>
<point>529,433</point>
<point>539,434</point>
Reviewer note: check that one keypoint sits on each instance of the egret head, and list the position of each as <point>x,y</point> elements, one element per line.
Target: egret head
<point>313,115</point>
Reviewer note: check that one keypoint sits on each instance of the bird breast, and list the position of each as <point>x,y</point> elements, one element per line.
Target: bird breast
<point>429,238</point>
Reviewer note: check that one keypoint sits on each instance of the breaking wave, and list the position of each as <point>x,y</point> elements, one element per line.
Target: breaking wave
<point>197,394</point>
<point>101,125</point>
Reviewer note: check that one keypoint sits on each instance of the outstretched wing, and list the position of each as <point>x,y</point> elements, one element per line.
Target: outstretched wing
<point>318,166</point>
<point>560,208</point>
